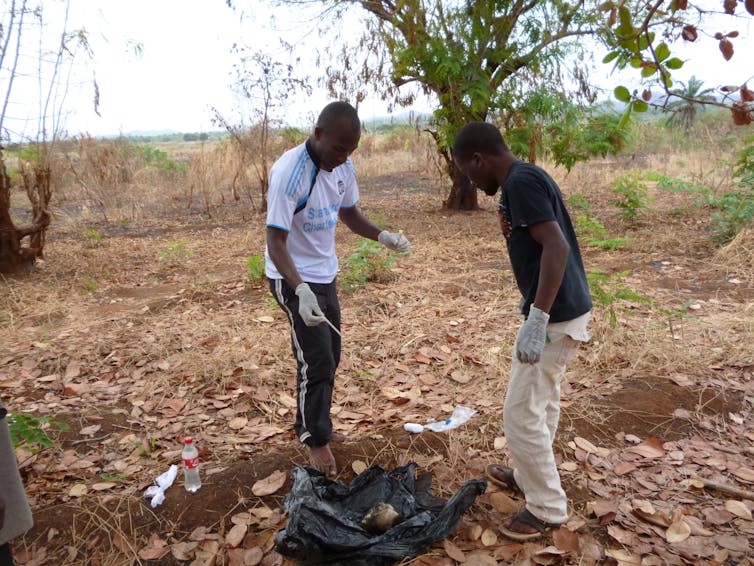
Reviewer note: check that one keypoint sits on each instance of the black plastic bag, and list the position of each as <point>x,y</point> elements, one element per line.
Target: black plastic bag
<point>324,516</point>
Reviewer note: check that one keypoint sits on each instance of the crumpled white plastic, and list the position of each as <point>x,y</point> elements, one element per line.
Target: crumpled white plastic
<point>164,481</point>
<point>460,416</point>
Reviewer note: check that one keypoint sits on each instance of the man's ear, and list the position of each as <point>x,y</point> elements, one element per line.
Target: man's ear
<point>318,132</point>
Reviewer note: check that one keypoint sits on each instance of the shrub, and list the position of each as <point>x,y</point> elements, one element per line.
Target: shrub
<point>631,196</point>
<point>255,268</point>
<point>368,262</point>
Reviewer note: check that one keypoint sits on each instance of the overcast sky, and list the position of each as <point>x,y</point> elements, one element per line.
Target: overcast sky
<point>186,66</point>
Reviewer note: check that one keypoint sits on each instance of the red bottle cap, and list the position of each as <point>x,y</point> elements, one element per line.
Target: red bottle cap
<point>188,440</point>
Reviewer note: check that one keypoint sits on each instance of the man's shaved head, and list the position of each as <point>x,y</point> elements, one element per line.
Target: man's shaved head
<point>478,137</point>
<point>335,114</point>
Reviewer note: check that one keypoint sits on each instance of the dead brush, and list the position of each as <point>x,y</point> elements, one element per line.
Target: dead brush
<point>100,171</point>
<point>737,256</point>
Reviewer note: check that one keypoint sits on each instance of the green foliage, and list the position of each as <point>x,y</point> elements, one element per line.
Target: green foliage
<point>146,448</point>
<point>94,237</point>
<point>732,210</point>
<point>28,430</point>
<point>548,124</point>
<point>591,232</point>
<point>195,137</point>
<point>255,268</point>
<point>637,38</point>
<point>177,251</point>
<point>176,137</point>
<point>631,196</point>
<point>158,159</point>
<point>90,283</point>
<point>608,290</point>
<point>578,202</point>
<point>744,172</point>
<point>112,477</point>
<point>368,262</point>
<point>735,211</point>
<point>477,58</point>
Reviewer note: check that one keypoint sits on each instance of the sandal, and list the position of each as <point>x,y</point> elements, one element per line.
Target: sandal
<point>524,517</point>
<point>502,477</point>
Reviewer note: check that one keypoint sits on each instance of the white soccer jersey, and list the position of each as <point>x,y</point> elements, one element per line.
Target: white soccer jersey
<point>311,232</point>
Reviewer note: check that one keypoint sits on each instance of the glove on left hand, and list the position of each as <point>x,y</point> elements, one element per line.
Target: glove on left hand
<point>531,336</point>
<point>394,241</point>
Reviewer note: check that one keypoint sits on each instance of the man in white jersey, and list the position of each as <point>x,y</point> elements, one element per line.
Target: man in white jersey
<point>312,186</point>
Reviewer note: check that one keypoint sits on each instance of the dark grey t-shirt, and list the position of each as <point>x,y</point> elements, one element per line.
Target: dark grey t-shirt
<point>529,196</point>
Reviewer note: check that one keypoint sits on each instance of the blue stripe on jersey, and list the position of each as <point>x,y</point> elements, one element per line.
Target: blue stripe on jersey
<point>278,227</point>
<point>296,174</point>
<point>302,200</point>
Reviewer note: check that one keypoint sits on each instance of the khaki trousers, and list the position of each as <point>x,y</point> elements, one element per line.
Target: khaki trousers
<point>530,419</point>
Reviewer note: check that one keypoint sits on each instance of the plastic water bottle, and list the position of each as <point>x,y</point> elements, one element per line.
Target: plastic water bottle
<point>190,455</point>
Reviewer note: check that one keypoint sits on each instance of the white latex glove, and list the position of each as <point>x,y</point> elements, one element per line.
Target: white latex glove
<point>531,336</point>
<point>164,481</point>
<point>308,307</point>
<point>394,241</point>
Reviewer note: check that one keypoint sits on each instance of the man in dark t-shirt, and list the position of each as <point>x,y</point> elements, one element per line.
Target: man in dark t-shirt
<point>549,272</point>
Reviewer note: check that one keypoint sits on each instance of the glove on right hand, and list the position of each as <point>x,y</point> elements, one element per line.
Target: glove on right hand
<point>308,307</point>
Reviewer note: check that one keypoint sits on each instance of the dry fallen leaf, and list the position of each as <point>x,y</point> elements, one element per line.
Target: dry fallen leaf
<point>90,430</point>
<point>549,553</point>
<point>499,443</point>
<point>650,448</point>
<point>480,558</point>
<point>453,551</point>
<point>422,359</point>
<point>235,535</point>
<point>624,558</point>
<point>265,318</point>
<point>587,446</point>
<point>566,540</point>
<point>623,468</point>
<point>156,548</point>
<point>734,543</point>
<point>103,485</point>
<point>678,531</point>
<point>744,474</point>
<point>270,484</point>
<point>503,504</point>
<point>287,401</point>
<point>78,490</point>
<point>253,556</point>
<point>184,550</point>
<point>123,543</point>
<point>475,531</point>
<point>738,508</point>
<point>238,423</point>
<point>460,377</point>
<point>358,466</point>
<point>489,537</point>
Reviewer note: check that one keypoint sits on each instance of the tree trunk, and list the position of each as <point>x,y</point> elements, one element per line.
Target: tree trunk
<point>15,258</point>
<point>462,195</point>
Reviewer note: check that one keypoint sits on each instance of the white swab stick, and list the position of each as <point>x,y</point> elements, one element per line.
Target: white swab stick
<point>333,327</point>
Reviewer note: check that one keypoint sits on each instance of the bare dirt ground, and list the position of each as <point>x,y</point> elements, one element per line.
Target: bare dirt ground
<point>154,332</point>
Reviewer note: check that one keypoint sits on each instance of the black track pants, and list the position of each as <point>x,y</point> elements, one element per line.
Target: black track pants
<point>317,353</point>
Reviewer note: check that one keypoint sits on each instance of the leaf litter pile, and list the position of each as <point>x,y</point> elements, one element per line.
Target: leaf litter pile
<point>154,333</point>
